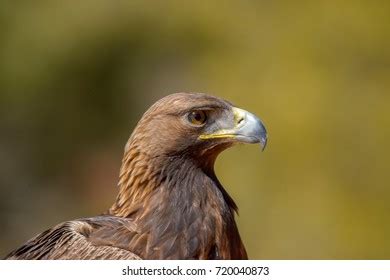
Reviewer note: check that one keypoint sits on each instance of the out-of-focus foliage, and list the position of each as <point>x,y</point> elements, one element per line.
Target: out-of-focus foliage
<point>75,76</point>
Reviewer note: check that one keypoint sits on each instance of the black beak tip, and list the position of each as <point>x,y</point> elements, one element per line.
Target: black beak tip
<point>263,135</point>
<point>263,142</point>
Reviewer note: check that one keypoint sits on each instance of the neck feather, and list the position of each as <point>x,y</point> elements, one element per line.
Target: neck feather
<point>180,207</point>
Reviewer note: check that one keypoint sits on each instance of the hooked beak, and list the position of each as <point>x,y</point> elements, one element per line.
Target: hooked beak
<point>247,129</point>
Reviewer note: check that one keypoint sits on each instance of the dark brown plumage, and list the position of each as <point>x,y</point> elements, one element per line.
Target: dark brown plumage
<point>170,203</point>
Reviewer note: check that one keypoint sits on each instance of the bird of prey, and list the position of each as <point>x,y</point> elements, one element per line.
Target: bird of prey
<point>170,203</point>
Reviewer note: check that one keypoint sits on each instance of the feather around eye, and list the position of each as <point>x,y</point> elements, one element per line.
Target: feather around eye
<point>197,117</point>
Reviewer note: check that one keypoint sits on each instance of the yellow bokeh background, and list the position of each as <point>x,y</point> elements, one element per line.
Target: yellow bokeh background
<point>75,77</point>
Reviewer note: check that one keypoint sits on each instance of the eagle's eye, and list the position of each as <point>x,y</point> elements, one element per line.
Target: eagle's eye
<point>197,117</point>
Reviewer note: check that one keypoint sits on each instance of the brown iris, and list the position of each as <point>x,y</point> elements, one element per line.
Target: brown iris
<point>197,117</point>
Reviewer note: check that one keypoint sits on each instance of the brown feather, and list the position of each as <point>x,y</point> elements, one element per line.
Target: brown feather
<point>70,241</point>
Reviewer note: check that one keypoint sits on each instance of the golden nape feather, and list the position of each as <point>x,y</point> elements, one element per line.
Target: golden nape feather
<point>170,203</point>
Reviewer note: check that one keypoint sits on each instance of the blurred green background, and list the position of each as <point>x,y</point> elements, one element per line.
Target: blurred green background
<point>75,77</point>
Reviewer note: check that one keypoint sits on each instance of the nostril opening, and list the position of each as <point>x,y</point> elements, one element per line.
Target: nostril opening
<point>240,120</point>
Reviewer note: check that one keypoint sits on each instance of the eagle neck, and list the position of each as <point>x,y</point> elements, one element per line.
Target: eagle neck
<point>181,203</point>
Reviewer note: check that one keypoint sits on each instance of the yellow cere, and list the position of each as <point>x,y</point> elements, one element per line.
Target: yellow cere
<point>223,133</point>
<point>238,114</point>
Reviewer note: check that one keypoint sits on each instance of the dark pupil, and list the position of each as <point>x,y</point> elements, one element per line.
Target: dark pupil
<point>198,117</point>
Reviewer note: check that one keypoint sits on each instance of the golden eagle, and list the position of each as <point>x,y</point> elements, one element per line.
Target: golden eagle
<point>170,203</point>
